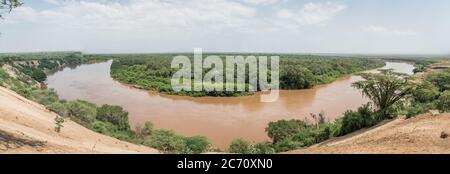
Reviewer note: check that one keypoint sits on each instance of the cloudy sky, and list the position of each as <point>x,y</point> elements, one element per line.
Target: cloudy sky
<point>285,26</point>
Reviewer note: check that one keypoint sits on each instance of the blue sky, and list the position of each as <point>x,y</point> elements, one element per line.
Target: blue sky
<point>287,26</point>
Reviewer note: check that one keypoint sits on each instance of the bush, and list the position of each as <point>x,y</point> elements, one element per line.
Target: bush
<point>444,101</point>
<point>148,128</point>
<point>353,121</point>
<point>284,129</point>
<point>419,108</point>
<point>240,146</point>
<point>287,145</point>
<point>115,115</point>
<point>82,112</point>
<point>440,79</point>
<point>44,97</point>
<point>196,144</point>
<point>426,92</point>
<point>263,148</point>
<point>166,141</point>
<point>58,108</point>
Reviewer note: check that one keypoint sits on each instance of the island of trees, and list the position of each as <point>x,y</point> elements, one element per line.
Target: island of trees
<point>153,72</point>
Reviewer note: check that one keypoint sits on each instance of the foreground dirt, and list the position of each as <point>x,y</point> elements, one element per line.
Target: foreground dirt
<point>27,127</point>
<point>422,134</point>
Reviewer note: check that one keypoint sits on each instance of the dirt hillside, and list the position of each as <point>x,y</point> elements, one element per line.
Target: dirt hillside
<point>423,134</point>
<point>27,127</point>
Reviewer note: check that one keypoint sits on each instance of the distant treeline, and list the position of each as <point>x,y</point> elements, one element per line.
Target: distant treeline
<point>153,71</point>
<point>36,65</point>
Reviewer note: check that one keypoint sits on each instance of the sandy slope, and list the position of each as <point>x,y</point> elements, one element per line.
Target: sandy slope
<point>421,134</point>
<point>27,127</point>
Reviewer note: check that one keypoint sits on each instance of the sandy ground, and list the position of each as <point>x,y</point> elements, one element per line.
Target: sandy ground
<point>419,135</point>
<point>27,127</point>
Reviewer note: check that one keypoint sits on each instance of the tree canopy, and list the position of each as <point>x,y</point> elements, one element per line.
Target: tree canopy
<point>9,5</point>
<point>384,89</point>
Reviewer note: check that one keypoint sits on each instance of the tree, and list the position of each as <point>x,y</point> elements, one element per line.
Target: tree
<point>240,146</point>
<point>440,79</point>
<point>384,89</point>
<point>9,5</point>
<point>166,141</point>
<point>58,123</point>
<point>444,101</point>
<point>426,92</point>
<point>115,115</point>
<point>196,144</point>
<point>284,129</point>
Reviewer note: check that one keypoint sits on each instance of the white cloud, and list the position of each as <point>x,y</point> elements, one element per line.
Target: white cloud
<point>212,14</point>
<point>310,14</point>
<point>261,2</point>
<point>53,2</point>
<point>388,31</point>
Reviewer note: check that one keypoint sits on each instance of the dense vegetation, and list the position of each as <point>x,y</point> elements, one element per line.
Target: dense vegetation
<point>36,65</point>
<point>391,93</point>
<point>105,119</point>
<point>153,72</point>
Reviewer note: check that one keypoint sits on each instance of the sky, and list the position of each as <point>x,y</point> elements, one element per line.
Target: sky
<point>275,26</point>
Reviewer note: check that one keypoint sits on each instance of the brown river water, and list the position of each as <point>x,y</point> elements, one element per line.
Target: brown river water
<point>220,119</point>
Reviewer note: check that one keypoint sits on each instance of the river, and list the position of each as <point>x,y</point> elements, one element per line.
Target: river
<point>219,119</point>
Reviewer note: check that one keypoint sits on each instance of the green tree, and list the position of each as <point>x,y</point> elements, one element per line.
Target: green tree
<point>353,121</point>
<point>240,146</point>
<point>115,115</point>
<point>82,112</point>
<point>148,128</point>
<point>284,129</point>
<point>196,144</point>
<point>444,101</point>
<point>9,5</point>
<point>165,140</point>
<point>384,89</point>
<point>425,92</point>
<point>440,79</point>
<point>59,123</point>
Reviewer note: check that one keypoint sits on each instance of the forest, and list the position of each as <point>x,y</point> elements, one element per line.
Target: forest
<point>153,72</point>
<point>37,65</point>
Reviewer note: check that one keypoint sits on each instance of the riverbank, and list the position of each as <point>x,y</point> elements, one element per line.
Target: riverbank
<point>423,134</point>
<point>28,127</point>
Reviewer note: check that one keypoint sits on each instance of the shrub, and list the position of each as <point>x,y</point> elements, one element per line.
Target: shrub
<point>419,108</point>
<point>44,97</point>
<point>196,144</point>
<point>166,141</point>
<point>240,146</point>
<point>440,79</point>
<point>426,92</point>
<point>263,148</point>
<point>284,129</point>
<point>82,112</point>
<point>148,128</point>
<point>58,108</point>
<point>115,115</point>
<point>353,121</point>
<point>287,145</point>
<point>444,101</point>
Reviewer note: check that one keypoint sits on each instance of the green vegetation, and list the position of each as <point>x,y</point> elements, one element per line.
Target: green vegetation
<point>59,123</point>
<point>153,72</point>
<point>431,94</point>
<point>444,101</point>
<point>385,89</point>
<point>440,80</point>
<point>106,119</point>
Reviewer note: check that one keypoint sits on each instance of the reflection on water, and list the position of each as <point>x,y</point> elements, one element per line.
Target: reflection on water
<point>220,119</point>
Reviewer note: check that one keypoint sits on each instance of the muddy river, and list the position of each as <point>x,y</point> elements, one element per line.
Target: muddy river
<point>220,119</point>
